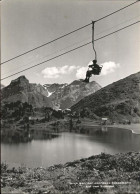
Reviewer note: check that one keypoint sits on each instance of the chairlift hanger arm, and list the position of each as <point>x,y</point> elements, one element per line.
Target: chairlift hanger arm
<point>93,22</point>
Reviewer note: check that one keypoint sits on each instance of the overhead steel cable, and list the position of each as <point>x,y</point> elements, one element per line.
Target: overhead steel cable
<point>117,30</point>
<point>70,50</point>
<point>44,44</point>
<point>56,52</point>
<point>115,11</point>
<point>67,34</point>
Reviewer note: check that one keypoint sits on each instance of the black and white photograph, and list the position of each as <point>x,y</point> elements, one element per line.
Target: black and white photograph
<point>70,96</point>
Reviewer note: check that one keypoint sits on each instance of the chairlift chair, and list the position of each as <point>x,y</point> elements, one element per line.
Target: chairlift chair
<point>96,69</point>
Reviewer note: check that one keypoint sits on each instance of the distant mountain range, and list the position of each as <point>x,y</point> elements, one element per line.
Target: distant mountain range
<point>118,101</point>
<point>65,95</point>
<point>52,95</point>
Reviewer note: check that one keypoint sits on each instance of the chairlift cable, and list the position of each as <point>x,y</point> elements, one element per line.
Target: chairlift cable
<point>116,11</point>
<point>69,51</point>
<point>66,34</point>
<point>69,46</point>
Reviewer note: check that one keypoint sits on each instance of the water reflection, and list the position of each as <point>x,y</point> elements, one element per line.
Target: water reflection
<point>121,140</point>
<point>20,136</point>
<point>44,150</point>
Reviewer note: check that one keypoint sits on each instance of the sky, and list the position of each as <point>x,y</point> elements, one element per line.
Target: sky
<point>26,24</point>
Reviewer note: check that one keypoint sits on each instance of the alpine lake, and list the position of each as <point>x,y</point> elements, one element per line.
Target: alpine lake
<point>38,148</point>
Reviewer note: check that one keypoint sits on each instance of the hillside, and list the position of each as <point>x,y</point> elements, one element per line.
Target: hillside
<point>119,101</point>
<point>21,90</point>
<point>99,174</point>
<point>65,95</point>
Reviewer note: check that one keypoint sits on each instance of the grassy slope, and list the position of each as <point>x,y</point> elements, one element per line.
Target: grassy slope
<point>119,100</point>
<point>81,176</point>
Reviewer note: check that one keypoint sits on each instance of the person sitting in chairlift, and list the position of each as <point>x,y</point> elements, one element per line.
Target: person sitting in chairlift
<point>96,69</point>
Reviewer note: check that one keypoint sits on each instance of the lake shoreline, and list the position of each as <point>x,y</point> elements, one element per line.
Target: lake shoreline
<point>134,128</point>
<point>103,173</point>
<point>61,125</point>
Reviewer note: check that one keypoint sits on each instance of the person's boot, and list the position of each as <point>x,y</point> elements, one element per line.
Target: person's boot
<point>86,80</point>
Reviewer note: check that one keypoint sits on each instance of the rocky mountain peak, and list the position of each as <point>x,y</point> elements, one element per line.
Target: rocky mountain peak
<point>21,90</point>
<point>52,95</point>
<point>65,95</point>
<point>22,79</point>
<point>79,81</point>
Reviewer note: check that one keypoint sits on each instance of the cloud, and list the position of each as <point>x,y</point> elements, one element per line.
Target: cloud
<point>56,72</point>
<point>90,63</point>
<point>109,67</point>
<point>81,72</point>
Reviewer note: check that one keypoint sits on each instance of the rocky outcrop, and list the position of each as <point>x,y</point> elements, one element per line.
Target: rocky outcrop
<point>65,95</point>
<point>53,95</point>
<point>21,90</point>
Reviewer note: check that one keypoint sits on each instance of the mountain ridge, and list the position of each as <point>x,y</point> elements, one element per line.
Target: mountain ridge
<point>21,90</point>
<point>53,95</point>
<point>119,100</point>
<point>65,95</point>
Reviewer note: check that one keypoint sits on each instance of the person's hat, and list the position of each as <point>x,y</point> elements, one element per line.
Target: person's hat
<point>94,61</point>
